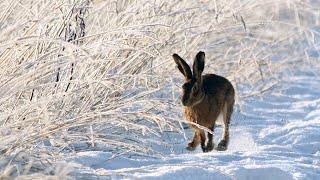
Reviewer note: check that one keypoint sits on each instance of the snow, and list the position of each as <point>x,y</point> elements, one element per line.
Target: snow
<point>275,136</point>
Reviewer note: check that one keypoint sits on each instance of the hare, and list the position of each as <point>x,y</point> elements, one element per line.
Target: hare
<point>204,98</point>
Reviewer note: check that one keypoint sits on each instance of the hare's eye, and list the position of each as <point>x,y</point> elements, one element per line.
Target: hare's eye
<point>195,88</point>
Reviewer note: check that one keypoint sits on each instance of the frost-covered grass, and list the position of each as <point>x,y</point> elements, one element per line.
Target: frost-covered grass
<point>115,89</point>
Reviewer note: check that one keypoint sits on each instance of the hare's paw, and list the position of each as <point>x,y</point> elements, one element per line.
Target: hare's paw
<point>209,147</point>
<point>191,146</point>
<point>203,147</point>
<point>222,146</point>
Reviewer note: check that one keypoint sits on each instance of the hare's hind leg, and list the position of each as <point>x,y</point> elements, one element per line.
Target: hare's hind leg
<point>227,111</point>
<point>198,137</point>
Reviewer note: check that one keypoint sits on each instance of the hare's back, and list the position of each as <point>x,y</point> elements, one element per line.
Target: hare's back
<point>216,85</point>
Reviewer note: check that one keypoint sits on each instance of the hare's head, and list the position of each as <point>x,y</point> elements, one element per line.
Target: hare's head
<point>192,88</point>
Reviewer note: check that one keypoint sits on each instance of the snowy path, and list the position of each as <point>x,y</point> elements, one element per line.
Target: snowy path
<point>278,137</point>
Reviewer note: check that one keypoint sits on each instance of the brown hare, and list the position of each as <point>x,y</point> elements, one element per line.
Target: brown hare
<point>204,98</point>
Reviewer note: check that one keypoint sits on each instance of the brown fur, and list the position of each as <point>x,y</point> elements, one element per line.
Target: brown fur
<point>204,98</point>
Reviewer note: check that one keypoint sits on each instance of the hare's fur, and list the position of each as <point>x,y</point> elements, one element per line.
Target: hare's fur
<point>205,98</point>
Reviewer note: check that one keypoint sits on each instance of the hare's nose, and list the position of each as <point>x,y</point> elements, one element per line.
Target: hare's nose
<point>184,102</point>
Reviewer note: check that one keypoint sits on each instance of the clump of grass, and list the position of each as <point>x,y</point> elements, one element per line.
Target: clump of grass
<point>99,75</point>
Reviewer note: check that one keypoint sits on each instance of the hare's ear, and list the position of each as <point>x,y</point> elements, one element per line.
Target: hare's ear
<point>198,65</point>
<point>182,66</point>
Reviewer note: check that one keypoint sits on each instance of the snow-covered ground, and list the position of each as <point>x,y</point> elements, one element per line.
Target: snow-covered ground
<point>274,136</point>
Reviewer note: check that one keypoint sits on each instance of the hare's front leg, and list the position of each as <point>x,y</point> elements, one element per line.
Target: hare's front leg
<point>203,141</point>
<point>210,143</point>
<point>198,137</point>
<point>195,141</point>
